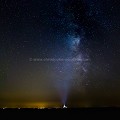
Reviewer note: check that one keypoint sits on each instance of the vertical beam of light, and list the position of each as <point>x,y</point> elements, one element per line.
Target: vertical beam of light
<point>67,69</point>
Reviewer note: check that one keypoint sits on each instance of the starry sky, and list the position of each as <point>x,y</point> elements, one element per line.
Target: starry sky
<point>60,51</point>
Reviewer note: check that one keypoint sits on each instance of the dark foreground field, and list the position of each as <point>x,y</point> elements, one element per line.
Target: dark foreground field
<point>59,113</point>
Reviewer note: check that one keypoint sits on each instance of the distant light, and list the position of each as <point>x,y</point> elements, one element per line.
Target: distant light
<point>64,106</point>
<point>41,108</point>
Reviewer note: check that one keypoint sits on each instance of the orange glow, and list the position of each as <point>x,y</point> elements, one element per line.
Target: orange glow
<point>39,105</point>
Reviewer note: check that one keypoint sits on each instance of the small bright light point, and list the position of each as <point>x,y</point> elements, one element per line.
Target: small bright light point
<point>64,106</point>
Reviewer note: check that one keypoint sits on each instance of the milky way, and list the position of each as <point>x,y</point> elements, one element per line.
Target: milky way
<point>67,76</point>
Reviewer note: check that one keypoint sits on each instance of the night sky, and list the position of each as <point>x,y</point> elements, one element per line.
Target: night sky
<point>59,52</point>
